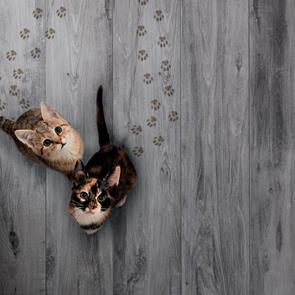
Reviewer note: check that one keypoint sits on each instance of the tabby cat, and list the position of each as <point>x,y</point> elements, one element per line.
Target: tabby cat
<point>44,136</point>
<point>105,181</point>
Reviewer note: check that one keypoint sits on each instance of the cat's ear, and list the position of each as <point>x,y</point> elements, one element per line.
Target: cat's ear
<point>48,113</point>
<point>26,137</point>
<point>79,172</point>
<point>115,177</point>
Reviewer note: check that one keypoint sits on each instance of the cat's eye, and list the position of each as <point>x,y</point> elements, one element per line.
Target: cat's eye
<point>84,196</point>
<point>47,142</point>
<point>101,198</point>
<point>58,130</point>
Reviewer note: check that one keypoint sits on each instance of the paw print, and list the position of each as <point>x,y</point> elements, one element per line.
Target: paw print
<point>158,140</point>
<point>11,55</point>
<point>143,2</point>
<point>165,65</point>
<point>37,13</point>
<point>50,33</point>
<point>13,90</point>
<point>151,122</point>
<point>142,55</point>
<point>173,116</point>
<point>136,129</point>
<point>24,33</point>
<point>168,90</point>
<point>141,30</point>
<point>61,12</point>
<point>2,105</point>
<point>158,16</point>
<point>24,104</point>
<point>17,73</point>
<point>35,53</point>
<point>155,104</point>
<point>147,78</point>
<point>137,151</point>
<point>162,42</point>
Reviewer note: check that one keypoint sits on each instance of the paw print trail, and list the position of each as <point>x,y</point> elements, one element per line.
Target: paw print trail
<point>35,53</point>
<point>37,13</point>
<point>136,129</point>
<point>25,33</point>
<point>17,73</point>
<point>142,55</point>
<point>158,16</point>
<point>137,151</point>
<point>61,12</point>
<point>11,55</point>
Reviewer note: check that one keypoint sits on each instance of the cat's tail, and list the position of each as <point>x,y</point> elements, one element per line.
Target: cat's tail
<point>7,125</point>
<point>103,134</point>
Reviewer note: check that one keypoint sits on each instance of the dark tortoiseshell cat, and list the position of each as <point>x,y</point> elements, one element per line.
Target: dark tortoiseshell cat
<point>105,181</point>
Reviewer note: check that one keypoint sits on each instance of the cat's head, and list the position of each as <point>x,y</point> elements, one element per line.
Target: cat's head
<point>91,194</point>
<point>52,138</point>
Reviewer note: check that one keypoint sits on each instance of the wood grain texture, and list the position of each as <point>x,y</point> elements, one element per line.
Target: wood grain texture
<point>147,231</point>
<point>201,93</point>
<point>272,145</point>
<point>22,189</point>
<point>214,151</point>
<point>78,61</point>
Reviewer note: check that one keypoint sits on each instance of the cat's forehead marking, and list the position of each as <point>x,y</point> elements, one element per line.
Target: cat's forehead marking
<point>89,183</point>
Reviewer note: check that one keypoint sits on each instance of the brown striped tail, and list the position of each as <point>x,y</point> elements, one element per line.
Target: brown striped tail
<point>7,125</point>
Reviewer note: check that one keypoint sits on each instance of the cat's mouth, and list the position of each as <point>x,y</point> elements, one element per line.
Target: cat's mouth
<point>62,145</point>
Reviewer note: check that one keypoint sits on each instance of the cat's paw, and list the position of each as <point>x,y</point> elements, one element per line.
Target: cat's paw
<point>158,16</point>
<point>37,13</point>
<point>165,65</point>
<point>168,90</point>
<point>24,104</point>
<point>142,55</point>
<point>158,140</point>
<point>136,129</point>
<point>162,42</point>
<point>2,105</point>
<point>173,116</point>
<point>61,12</point>
<point>35,53</point>
<point>50,33</point>
<point>141,30</point>
<point>13,90</point>
<point>155,104</point>
<point>17,73</point>
<point>152,121</point>
<point>24,33</point>
<point>143,2</point>
<point>11,55</point>
<point>138,151</point>
<point>148,78</point>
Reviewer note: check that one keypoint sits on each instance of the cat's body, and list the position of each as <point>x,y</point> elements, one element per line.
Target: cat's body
<point>45,137</point>
<point>105,181</point>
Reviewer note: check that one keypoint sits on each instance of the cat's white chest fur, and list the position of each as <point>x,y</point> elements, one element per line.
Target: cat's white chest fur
<point>86,218</point>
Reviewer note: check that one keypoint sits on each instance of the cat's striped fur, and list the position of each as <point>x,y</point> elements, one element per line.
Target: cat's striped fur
<point>44,136</point>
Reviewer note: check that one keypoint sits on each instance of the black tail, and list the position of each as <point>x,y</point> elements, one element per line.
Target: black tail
<point>103,134</point>
<point>7,125</point>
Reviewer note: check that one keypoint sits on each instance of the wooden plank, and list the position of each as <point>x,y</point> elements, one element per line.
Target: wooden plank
<point>272,142</point>
<point>78,60</point>
<point>22,189</point>
<point>214,151</point>
<point>147,231</point>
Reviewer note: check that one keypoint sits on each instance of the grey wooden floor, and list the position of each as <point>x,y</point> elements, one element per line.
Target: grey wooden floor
<point>201,92</point>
